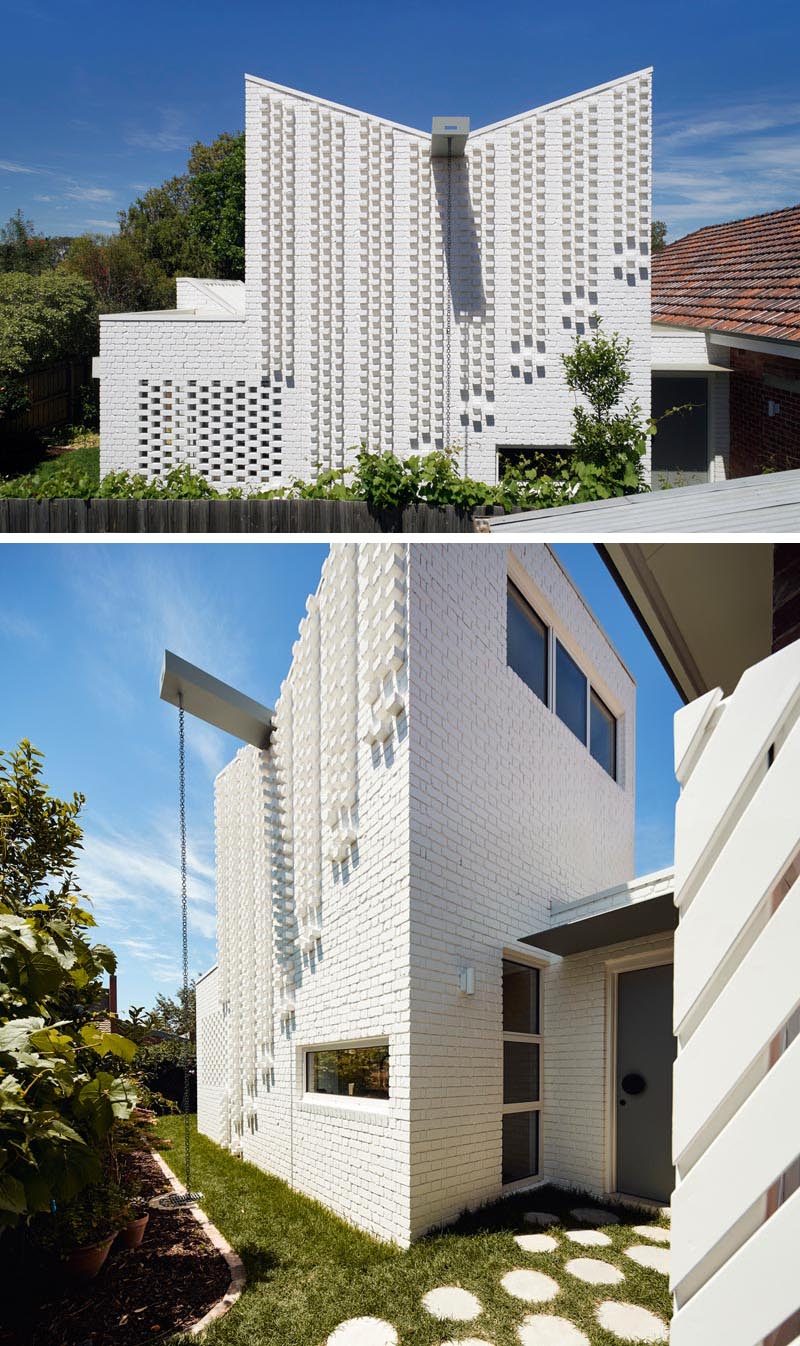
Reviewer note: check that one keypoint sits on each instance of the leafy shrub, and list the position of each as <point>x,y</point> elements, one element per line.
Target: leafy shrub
<point>63,1085</point>
<point>99,1210</point>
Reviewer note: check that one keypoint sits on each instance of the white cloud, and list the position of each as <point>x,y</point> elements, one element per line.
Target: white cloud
<point>7,166</point>
<point>737,160</point>
<point>171,135</point>
<point>91,194</point>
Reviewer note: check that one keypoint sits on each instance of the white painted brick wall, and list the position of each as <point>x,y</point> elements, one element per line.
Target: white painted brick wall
<point>474,807</point>
<point>683,348</point>
<point>575,1116</point>
<point>212,1107</point>
<point>388,305</point>
<point>508,810</point>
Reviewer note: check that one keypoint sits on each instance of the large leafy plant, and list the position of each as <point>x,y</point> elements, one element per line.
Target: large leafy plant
<point>63,1084</point>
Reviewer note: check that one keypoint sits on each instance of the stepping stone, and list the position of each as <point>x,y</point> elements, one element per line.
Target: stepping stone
<point>540,1217</point>
<point>652,1231</point>
<point>655,1259</point>
<point>536,1243</point>
<point>595,1216</point>
<point>629,1322</point>
<point>595,1272</point>
<point>532,1286</point>
<point>363,1332</point>
<point>588,1238</point>
<point>540,1329</point>
<point>453,1303</point>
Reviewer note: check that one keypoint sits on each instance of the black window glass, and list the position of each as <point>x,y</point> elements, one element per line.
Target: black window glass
<point>520,1072</point>
<point>571,688</point>
<point>520,1145</point>
<point>526,643</point>
<point>520,998</point>
<point>603,735</point>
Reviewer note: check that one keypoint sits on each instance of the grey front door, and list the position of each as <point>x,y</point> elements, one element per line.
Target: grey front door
<point>645,1055</point>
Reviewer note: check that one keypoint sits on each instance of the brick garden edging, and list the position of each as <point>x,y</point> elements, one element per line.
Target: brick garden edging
<point>233,1260</point>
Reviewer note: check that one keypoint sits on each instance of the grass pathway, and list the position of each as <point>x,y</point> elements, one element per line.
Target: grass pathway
<point>308,1272</point>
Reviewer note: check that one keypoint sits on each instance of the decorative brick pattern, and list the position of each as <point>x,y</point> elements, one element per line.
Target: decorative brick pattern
<point>422,809</point>
<point>397,300</point>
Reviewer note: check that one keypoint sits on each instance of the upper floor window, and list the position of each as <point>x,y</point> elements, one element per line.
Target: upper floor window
<point>526,642</point>
<point>531,647</point>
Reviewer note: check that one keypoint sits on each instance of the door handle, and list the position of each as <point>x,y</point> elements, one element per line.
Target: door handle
<point>633,1084</point>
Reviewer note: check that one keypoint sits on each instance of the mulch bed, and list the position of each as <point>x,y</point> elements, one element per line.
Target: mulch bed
<point>141,1295</point>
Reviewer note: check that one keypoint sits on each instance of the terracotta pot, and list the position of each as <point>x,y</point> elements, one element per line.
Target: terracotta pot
<point>84,1263</point>
<point>132,1234</point>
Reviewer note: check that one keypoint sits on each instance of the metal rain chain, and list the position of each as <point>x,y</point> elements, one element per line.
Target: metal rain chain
<point>173,1200</point>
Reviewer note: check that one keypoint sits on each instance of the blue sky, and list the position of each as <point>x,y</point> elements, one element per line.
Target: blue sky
<point>82,632</point>
<point>97,104</point>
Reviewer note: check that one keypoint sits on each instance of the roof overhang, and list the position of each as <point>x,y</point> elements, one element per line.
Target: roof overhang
<point>706,608</point>
<point>658,366</point>
<point>634,910</point>
<point>215,702</point>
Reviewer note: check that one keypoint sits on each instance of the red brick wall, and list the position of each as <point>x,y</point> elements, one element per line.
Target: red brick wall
<point>759,441</point>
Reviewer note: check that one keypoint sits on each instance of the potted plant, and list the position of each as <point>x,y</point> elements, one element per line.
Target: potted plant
<point>132,1232</point>
<point>80,1232</point>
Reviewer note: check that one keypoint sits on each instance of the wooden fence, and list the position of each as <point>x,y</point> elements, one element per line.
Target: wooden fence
<point>736,1206</point>
<point>228,516</point>
<point>54,395</point>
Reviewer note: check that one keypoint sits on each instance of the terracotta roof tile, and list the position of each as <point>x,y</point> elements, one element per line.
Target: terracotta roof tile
<point>743,276</point>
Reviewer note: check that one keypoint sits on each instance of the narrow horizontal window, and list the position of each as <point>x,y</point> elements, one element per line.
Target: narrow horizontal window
<point>351,1072</point>
<point>526,642</point>
<point>603,735</point>
<point>571,692</point>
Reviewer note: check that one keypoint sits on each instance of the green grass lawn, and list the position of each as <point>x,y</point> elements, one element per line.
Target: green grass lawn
<point>62,456</point>
<point>307,1271</point>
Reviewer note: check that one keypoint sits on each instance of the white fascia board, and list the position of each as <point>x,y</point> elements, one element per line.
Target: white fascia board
<point>562,102</point>
<point>172,315</point>
<point>336,107</point>
<point>763,345</point>
<point>425,135</point>
<point>610,899</point>
<point>660,366</point>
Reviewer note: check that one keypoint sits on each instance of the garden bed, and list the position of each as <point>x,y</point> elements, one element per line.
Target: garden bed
<point>141,1295</point>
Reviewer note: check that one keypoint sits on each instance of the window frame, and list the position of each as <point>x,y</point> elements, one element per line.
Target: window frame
<point>527,608</point>
<point>554,640</point>
<point>533,1039</point>
<point>340,1100</point>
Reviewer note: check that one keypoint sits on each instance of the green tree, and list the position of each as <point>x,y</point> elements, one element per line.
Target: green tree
<point>194,224</point>
<point>22,249</point>
<point>43,319</point>
<point>658,236</point>
<point>62,1082</point>
<point>608,440</point>
<point>175,1014</point>
<point>124,280</point>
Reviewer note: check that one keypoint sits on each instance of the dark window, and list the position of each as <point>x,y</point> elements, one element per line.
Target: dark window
<point>571,687</point>
<point>356,1072</point>
<point>526,642</point>
<point>680,447</point>
<point>520,1072</point>
<point>520,1145</point>
<point>520,998</point>
<point>603,735</point>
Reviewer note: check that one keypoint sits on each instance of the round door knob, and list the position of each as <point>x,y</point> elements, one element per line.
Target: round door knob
<point>633,1084</point>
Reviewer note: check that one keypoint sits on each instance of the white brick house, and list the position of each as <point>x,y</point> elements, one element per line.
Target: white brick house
<point>421,808</point>
<point>396,294</point>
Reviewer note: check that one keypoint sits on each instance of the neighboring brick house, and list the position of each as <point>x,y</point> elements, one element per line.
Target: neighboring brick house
<point>403,290</point>
<point>450,768</point>
<point>729,295</point>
